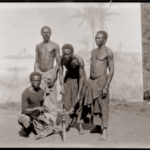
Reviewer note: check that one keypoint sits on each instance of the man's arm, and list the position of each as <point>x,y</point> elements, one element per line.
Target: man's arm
<point>81,76</point>
<point>58,60</point>
<point>25,109</point>
<point>61,77</point>
<point>36,59</point>
<point>57,52</point>
<point>111,69</point>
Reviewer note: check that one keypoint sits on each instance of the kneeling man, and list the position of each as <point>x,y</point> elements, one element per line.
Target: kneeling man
<point>73,84</point>
<point>35,115</point>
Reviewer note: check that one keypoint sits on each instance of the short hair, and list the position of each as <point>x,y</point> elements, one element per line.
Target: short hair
<point>68,46</point>
<point>35,74</point>
<point>104,34</point>
<point>46,27</point>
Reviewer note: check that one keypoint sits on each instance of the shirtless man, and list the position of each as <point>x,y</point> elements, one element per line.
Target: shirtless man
<point>46,52</point>
<point>33,105</point>
<point>97,93</point>
<point>73,83</point>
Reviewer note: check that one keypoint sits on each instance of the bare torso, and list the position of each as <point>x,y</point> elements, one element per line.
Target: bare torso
<point>46,56</point>
<point>99,62</point>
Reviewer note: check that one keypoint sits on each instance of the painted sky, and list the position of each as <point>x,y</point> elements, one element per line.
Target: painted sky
<point>21,24</point>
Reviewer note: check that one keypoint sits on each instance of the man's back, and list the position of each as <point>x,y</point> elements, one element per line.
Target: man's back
<point>73,66</point>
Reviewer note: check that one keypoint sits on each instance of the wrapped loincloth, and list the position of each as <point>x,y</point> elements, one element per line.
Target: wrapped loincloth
<point>93,99</point>
<point>43,123</point>
<point>50,100</point>
<point>71,86</point>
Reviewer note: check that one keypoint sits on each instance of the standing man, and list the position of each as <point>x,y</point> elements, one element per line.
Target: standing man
<point>73,84</point>
<point>46,52</point>
<point>97,92</point>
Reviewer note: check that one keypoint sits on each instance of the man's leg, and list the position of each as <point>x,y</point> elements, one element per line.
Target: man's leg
<point>96,117</point>
<point>80,122</point>
<point>105,116</point>
<point>96,120</point>
<point>25,122</point>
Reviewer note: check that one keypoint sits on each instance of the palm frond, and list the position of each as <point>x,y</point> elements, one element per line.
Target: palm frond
<point>81,23</point>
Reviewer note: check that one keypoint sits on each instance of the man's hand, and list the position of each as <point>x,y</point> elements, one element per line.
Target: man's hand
<point>41,109</point>
<point>105,93</point>
<point>77,99</point>
<point>62,91</point>
<point>51,82</point>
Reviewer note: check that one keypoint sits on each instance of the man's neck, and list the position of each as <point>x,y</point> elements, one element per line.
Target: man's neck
<point>46,41</point>
<point>102,46</point>
<point>34,90</point>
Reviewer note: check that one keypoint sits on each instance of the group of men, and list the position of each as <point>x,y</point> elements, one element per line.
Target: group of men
<point>86,100</point>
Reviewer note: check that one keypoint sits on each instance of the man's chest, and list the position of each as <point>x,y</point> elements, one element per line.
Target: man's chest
<point>46,49</point>
<point>35,98</point>
<point>99,55</point>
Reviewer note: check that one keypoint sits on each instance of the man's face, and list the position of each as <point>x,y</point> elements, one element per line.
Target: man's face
<point>67,54</point>
<point>36,81</point>
<point>99,39</point>
<point>46,33</point>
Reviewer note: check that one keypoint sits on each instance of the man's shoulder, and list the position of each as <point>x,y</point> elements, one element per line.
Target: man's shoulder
<point>109,51</point>
<point>92,51</point>
<point>26,92</point>
<point>79,59</point>
<point>41,90</point>
<point>54,44</point>
<point>38,45</point>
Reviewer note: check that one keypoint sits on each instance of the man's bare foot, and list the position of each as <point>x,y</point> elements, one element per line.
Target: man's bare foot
<point>81,131</point>
<point>97,129</point>
<point>68,128</point>
<point>24,132</point>
<point>104,135</point>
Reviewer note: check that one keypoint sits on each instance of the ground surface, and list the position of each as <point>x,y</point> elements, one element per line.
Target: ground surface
<point>129,126</point>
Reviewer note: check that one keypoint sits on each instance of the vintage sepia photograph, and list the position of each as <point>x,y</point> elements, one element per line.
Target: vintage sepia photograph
<point>71,75</point>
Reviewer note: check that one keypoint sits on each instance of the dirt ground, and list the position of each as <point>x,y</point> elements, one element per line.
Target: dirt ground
<point>129,127</point>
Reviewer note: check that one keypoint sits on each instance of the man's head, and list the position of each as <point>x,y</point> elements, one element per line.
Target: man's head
<point>101,38</point>
<point>67,51</point>
<point>46,33</point>
<point>35,79</point>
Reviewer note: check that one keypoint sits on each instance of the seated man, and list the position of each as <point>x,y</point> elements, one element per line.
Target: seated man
<point>73,84</point>
<point>35,115</point>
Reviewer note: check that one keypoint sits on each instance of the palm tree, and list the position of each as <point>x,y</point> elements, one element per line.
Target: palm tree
<point>85,41</point>
<point>95,15</point>
<point>87,16</point>
<point>103,14</point>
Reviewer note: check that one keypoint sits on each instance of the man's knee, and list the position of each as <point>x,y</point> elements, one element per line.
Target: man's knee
<point>24,120</point>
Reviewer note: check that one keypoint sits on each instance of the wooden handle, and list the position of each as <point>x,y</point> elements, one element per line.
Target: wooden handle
<point>64,129</point>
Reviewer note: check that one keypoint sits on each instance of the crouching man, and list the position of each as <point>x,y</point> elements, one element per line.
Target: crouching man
<point>36,117</point>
